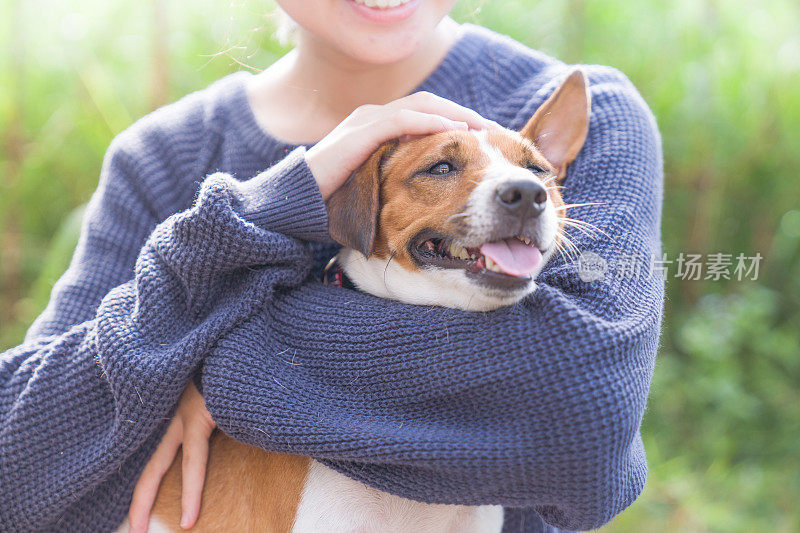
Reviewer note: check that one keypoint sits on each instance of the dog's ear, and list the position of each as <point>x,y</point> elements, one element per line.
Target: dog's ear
<point>559,127</point>
<point>353,207</point>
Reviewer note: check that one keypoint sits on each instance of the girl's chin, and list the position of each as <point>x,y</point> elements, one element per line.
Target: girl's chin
<point>380,49</point>
<point>380,54</point>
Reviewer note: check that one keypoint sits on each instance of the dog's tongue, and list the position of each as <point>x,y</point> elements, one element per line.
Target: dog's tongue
<point>513,256</point>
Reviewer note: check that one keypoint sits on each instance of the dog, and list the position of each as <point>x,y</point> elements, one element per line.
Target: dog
<point>462,219</point>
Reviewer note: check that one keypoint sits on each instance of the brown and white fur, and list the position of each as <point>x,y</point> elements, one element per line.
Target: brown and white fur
<point>413,219</point>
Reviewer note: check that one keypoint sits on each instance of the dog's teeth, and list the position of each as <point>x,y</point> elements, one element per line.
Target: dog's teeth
<point>491,265</point>
<point>459,251</point>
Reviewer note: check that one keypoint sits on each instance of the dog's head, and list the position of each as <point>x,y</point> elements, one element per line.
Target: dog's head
<point>462,219</point>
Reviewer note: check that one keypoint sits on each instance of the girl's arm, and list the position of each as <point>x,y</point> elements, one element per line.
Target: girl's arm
<point>84,400</point>
<point>537,405</point>
<point>81,405</point>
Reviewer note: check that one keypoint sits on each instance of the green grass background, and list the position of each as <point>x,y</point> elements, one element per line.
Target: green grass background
<point>722,429</point>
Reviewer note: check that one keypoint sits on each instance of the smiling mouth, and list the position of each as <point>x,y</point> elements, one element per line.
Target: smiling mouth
<point>382,4</point>
<point>507,264</point>
<point>385,11</point>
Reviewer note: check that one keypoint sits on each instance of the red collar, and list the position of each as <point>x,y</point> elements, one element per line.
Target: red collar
<point>334,275</point>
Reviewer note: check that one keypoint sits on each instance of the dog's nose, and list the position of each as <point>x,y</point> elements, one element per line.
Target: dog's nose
<point>522,198</point>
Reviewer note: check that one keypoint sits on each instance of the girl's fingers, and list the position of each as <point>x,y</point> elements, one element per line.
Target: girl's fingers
<point>195,458</point>
<point>408,122</point>
<point>401,124</point>
<point>425,102</point>
<point>340,152</point>
<point>144,494</point>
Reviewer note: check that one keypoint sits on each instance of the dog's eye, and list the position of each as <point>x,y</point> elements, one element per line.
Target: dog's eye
<point>536,169</point>
<point>440,169</point>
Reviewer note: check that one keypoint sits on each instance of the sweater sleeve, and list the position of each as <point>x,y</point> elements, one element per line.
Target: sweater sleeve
<point>84,400</point>
<point>535,405</point>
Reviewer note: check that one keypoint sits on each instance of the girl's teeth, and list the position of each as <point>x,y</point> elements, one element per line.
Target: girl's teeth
<point>381,4</point>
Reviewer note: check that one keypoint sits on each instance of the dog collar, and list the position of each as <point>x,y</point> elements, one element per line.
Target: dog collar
<point>334,275</point>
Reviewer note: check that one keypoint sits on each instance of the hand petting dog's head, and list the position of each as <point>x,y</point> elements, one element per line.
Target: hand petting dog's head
<point>463,219</point>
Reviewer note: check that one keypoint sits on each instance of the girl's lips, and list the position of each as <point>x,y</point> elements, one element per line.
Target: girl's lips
<point>387,14</point>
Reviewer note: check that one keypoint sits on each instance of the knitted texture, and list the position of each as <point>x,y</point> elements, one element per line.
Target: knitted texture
<point>199,256</point>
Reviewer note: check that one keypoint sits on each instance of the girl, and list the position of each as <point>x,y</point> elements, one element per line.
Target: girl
<point>183,272</point>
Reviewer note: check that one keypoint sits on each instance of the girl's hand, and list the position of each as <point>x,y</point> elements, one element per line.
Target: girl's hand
<point>340,152</point>
<point>191,428</point>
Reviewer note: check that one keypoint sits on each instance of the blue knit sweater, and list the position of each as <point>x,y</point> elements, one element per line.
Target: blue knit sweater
<point>182,271</point>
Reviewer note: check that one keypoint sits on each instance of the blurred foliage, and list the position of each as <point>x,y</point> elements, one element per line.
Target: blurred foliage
<point>722,78</point>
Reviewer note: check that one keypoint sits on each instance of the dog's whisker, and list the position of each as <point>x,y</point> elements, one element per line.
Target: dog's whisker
<point>457,215</point>
<point>572,245</point>
<point>577,221</point>
<point>569,245</point>
<point>568,206</point>
<point>569,254</point>
<point>564,252</point>
<point>560,250</point>
<point>577,224</point>
<point>585,227</point>
<point>587,234</point>
<point>566,236</point>
<point>557,247</point>
<point>385,283</point>
<point>564,217</point>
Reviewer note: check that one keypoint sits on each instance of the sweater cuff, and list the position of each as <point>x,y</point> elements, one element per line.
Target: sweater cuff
<point>286,199</point>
